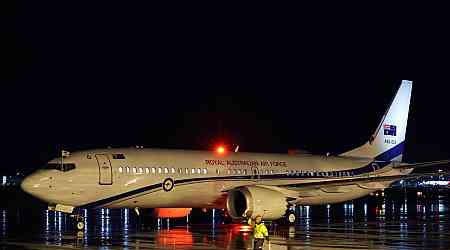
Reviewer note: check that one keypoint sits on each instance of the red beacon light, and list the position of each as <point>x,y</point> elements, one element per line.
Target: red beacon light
<point>220,150</point>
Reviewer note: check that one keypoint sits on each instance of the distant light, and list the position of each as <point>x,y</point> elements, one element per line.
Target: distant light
<point>220,150</point>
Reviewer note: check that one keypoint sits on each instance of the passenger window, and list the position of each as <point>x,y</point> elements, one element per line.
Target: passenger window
<point>120,169</point>
<point>173,170</point>
<point>180,171</point>
<point>118,156</point>
<point>186,170</point>
<point>153,170</point>
<point>193,171</point>
<point>205,171</point>
<point>228,171</point>
<point>140,170</point>
<point>159,170</point>
<point>199,171</point>
<point>147,171</point>
<point>128,169</point>
<point>217,171</point>
<point>245,171</point>
<point>239,171</point>
<point>134,170</point>
<point>166,171</point>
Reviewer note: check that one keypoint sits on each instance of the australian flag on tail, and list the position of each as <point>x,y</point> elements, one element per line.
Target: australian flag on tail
<point>390,130</point>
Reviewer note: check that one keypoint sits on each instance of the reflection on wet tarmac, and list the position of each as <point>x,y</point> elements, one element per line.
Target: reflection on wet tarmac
<point>4,222</point>
<point>404,223</point>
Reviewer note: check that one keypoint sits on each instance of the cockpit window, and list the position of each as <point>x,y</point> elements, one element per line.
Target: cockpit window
<point>61,167</point>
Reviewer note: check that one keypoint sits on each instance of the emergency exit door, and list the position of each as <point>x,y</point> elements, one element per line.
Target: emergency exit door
<point>105,170</point>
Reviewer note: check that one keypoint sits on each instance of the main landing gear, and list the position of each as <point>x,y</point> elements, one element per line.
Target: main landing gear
<point>80,225</point>
<point>80,221</point>
<point>290,216</point>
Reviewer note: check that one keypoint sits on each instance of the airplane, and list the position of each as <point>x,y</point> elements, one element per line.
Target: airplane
<point>245,184</point>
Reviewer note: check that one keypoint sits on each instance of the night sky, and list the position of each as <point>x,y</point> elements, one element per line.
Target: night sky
<point>84,76</point>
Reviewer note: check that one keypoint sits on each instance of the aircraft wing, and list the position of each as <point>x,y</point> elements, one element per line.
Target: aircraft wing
<point>342,185</point>
<point>421,164</point>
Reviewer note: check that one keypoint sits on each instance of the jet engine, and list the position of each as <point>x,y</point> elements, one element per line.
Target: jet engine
<point>253,201</point>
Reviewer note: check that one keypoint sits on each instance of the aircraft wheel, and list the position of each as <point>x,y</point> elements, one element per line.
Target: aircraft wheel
<point>291,218</point>
<point>80,225</point>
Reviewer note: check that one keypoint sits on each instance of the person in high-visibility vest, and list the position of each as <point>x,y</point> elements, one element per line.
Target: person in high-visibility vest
<point>259,232</point>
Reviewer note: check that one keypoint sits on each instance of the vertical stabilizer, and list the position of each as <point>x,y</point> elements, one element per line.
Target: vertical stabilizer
<point>387,143</point>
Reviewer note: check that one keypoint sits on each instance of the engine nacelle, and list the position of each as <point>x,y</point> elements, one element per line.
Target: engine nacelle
<point>253,201</point>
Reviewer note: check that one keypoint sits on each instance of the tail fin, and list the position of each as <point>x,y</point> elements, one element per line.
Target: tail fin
<point>387,143</point>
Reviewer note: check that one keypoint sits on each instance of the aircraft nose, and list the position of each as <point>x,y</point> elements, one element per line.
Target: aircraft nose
<point>31,184</point>
<point>27,184</point>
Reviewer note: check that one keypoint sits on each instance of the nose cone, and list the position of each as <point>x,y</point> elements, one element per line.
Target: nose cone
<point>34,184</point>
<point>27,185</point>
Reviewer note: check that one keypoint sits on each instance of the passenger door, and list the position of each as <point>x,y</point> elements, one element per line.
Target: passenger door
<point>105,169</point>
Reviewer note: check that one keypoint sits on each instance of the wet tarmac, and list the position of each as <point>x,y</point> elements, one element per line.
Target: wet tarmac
<point>402,222</point>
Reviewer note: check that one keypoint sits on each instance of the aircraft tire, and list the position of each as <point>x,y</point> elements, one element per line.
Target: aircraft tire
<point>80,225</point>
<point>291,218</point>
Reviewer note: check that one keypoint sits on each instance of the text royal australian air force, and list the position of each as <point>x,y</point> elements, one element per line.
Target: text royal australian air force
<point>246,163</point>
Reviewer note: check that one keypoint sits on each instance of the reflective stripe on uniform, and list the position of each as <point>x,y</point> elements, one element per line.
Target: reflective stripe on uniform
<point>259,230</point>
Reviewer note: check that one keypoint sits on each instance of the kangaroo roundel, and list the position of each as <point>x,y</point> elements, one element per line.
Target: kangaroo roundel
<point>168,184</point>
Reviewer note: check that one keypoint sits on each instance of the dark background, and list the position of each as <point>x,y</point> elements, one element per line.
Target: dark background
<point>267,78</point>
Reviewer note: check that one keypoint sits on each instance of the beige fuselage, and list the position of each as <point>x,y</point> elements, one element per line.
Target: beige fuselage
<point>185,178</point>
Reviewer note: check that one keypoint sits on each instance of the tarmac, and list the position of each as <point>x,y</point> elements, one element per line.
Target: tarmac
<point>385,224</point>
